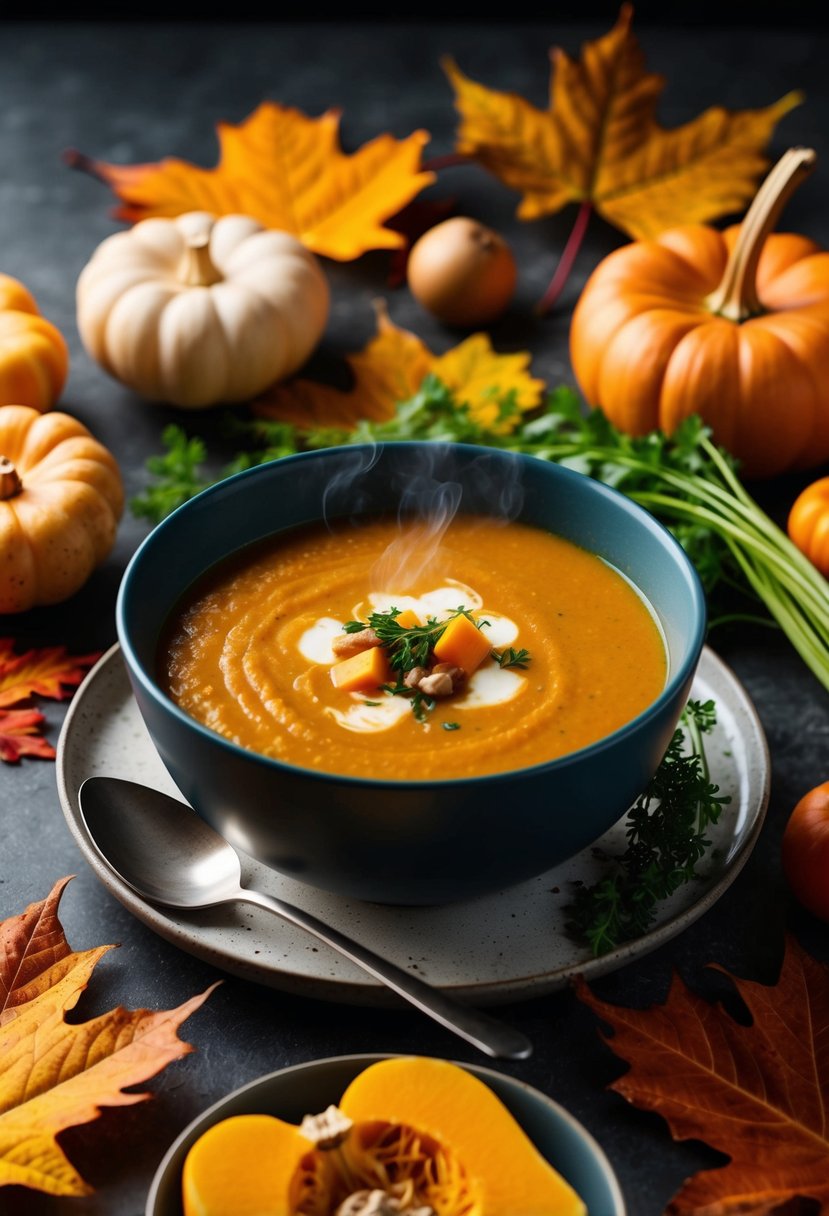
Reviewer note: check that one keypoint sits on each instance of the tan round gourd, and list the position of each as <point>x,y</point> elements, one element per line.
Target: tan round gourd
<point>197,311</point>
<point>60,501</point>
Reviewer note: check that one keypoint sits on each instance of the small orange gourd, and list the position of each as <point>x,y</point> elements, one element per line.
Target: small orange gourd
<point>60,501</point>
<point>34,358</point>
<point>425,1132</point>
<point>732,326</point>
<point>808,524</point>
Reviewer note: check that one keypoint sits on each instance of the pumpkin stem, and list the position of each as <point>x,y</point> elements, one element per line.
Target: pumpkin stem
<point>736,298</point>
<point>196,268</point>
<point>10,483</point>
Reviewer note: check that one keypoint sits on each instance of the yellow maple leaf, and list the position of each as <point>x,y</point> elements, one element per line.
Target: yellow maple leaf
<point>599,143</point>
<point>480,378</point>
<point>391,368</point>
<point>287,171</point>
<point>54,1075</point>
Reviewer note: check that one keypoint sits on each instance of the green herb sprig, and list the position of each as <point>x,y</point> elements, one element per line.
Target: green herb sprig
<point>667,837</point>
<point>512,658</point>
<point>407,647</point>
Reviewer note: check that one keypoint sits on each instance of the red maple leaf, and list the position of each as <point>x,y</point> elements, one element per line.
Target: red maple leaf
<point>49,671</point>
<point>20,735</point>
<point>758,1093</point>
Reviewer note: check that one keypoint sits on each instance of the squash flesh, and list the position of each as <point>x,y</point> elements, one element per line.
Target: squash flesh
<point>464,1115</point>
<point>244,1165</point>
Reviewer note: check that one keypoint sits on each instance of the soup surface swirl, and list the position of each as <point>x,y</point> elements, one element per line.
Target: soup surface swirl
<point>249,651</point>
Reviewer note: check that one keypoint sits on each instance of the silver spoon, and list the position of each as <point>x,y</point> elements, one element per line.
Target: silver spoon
<point>168,855</point>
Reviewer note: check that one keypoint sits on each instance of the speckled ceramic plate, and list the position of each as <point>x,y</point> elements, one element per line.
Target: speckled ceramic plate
<point>493,949</point>
<point>293,1092</point>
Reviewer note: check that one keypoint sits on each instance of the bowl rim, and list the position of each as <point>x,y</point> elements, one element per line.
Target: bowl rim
<point>559,1113</point>
<point>621,501</point>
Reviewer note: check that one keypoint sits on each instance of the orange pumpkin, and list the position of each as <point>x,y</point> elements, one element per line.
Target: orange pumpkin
<point>733,326</point>
<point>34,358</point>
<point>60,501</point>
<point>808,524</point>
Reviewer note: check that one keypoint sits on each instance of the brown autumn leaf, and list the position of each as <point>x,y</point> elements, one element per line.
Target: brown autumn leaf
<point>758,1093</point>
<point>391,368</point>
<point>49,671</point>
<point>54,1075</point>
<point>599,143</point>
<point>287,171</point>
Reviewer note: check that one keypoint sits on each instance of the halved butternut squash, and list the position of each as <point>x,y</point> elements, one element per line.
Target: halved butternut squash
<point>426,1132</point>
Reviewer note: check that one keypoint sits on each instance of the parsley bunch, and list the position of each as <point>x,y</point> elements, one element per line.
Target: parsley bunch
<point>686,480</point>
<point>667,836</point>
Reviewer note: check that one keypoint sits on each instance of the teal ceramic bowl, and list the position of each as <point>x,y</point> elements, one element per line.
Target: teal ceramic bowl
<point>306,1088</point>
<point>407,842</point>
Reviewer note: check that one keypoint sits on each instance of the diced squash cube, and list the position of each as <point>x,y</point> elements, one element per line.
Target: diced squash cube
<point>363,672</point>
<point>463,644</point>
<point>407,619</point>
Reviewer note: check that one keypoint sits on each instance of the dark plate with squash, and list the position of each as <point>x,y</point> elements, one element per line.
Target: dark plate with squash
<point>293,1092</point>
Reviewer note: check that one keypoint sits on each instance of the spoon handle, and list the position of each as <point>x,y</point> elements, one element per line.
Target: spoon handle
<point>488,1034</point>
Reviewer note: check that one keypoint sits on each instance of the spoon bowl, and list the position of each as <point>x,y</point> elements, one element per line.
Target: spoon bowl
<point>166,853</point>
<point>158,845</point>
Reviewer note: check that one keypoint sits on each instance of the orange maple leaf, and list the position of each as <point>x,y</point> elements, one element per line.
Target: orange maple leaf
<point>600,142</point>
<point>54,1075</point>
<point>49,671</point>
<point>391,368</point>
<point>287,171</point>
<point>758,1093</point>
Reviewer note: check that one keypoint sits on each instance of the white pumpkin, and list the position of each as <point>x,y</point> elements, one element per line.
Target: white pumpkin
<point>197,310</point>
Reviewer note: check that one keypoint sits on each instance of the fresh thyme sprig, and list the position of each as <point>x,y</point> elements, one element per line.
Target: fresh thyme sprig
<point>667,836</point>
<point>512,658</point>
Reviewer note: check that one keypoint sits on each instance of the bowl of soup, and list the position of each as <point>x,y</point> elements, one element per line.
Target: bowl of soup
<point>412,673</point>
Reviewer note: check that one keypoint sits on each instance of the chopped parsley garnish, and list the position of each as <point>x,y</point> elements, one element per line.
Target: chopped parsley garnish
<point>412,646</point>
<point>407,648</point>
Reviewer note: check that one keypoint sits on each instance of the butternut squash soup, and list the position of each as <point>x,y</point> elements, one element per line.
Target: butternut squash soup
<point>383,650</point>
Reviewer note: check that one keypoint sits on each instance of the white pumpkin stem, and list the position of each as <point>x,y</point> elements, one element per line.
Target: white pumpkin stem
<point>10,483</point>
<point>736,298</point>
<point>196,267</point>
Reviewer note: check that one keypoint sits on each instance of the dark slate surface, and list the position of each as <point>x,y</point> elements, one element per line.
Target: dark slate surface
<point>137,92</point>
